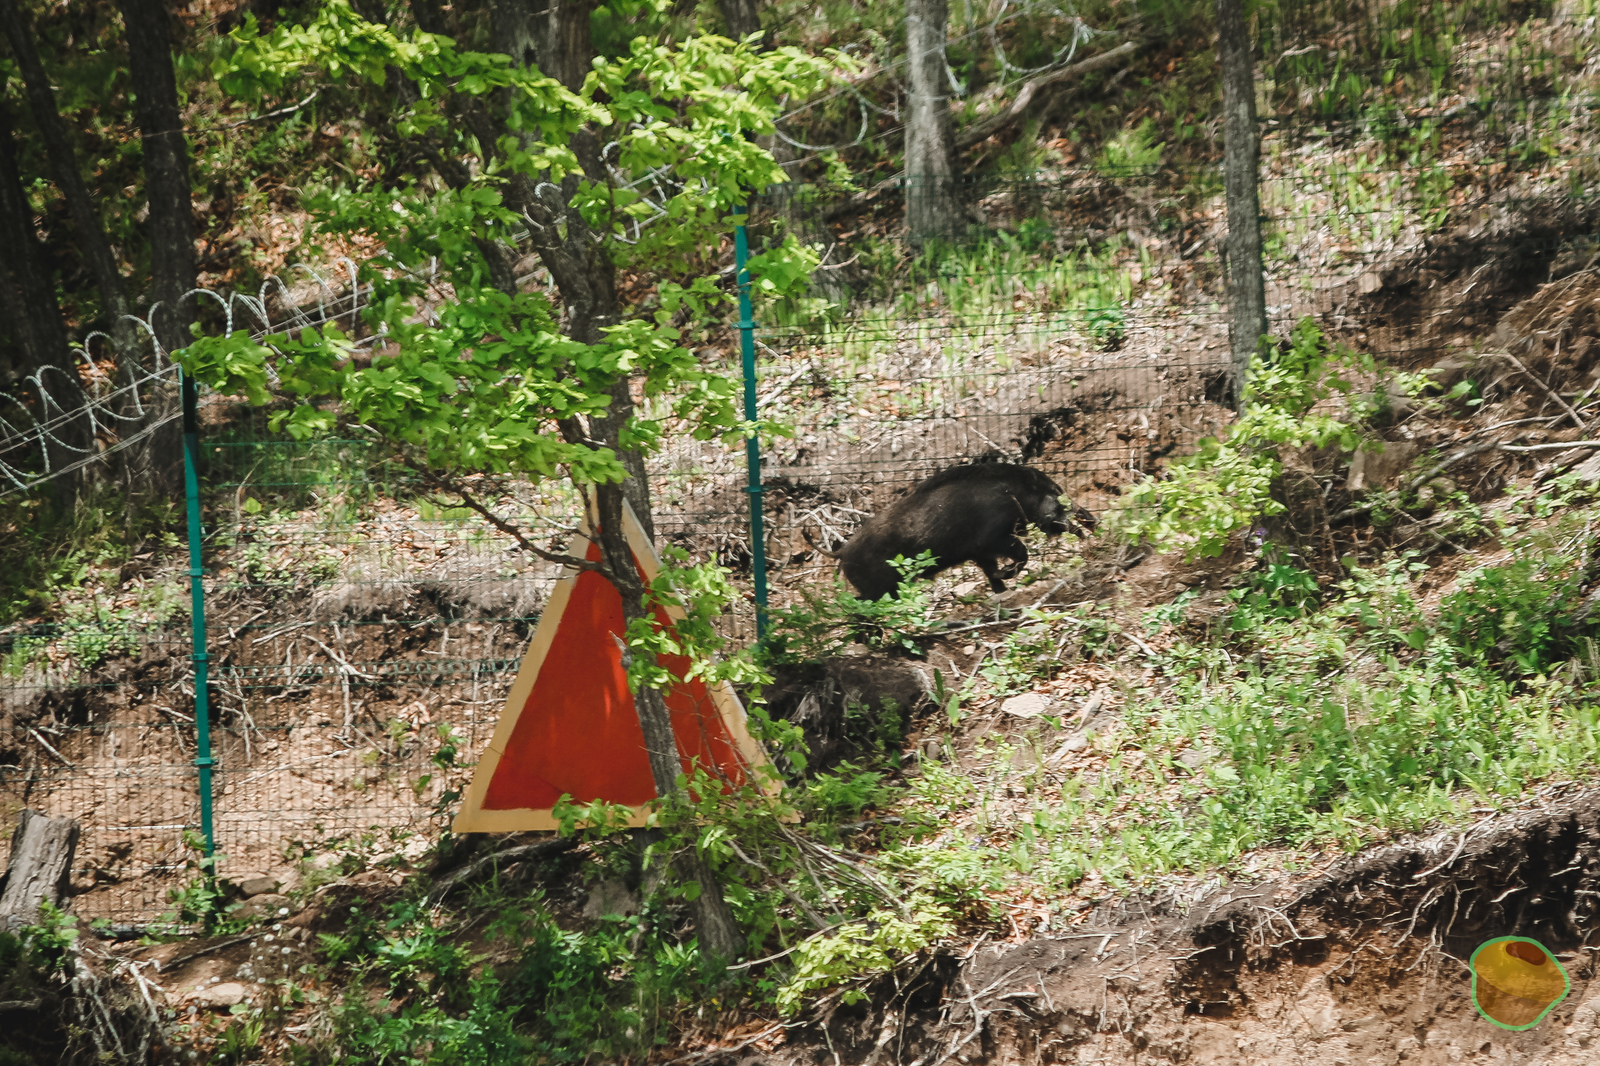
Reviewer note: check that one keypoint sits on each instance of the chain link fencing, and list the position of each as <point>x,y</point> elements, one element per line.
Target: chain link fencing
<point>363,636</point>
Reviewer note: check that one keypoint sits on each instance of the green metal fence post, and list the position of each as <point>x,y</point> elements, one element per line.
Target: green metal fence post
<point>202,702</point>
<point>752,445</point>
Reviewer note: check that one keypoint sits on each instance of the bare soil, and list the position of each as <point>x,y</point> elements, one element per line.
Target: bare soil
<point>1364,962</point>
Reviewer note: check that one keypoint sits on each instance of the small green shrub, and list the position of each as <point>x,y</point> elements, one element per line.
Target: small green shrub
<point>202,900</point>
<point>1276,593</point>
<point>845,792</point>
<point>1207,499</point>
<point>826,622</point>
<point>1522,617</point>
<point>861,950</point>
<point>1132,153</point>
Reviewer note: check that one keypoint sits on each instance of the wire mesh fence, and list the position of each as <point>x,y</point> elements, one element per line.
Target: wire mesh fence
<point>363,635</point>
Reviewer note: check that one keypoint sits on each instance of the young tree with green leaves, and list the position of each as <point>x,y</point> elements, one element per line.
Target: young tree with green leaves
<point>633,163</point>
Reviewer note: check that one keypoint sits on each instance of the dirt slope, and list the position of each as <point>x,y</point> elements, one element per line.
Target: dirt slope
<point>1363,964</point>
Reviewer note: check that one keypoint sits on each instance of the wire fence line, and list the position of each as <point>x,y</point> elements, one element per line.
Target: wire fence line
<point>363,636</point>
<point>118,416</point>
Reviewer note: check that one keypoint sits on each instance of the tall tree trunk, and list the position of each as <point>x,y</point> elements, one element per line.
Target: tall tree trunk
<point>715,927</point>
<point>154,468</point>
<point>36,318</point>
<point>170,227</point>
<point>803,218</point>
<point>68,178</point>
<point>742,17</point>
<point>932,210</point>
<point>564,46</point>
<point>134,462</point>
<point>1247,297</point>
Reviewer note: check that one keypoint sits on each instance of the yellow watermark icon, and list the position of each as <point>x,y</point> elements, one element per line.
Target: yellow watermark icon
<point>1516,981</point>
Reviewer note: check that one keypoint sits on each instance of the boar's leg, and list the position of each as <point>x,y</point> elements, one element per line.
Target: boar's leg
<point>1017,552</point>
<point>991,569</point>
<point>1014,550</point>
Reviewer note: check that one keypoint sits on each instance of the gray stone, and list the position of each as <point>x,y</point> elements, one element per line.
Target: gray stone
<point>1372,469</point>
<point>256,886</point>
<point>227,994</point>
<point>266,905</point>
<point>610,897</point>
<point>1076,742</point>
<point>1588,471</point>
<point>1194,758</point>
<point>1027,705</point>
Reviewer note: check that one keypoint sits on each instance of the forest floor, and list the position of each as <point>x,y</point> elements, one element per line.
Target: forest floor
<point>1250,808</point>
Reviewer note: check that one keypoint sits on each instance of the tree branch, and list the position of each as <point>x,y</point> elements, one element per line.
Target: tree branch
<point>279,113</point>
<point>509,529</point>
<point>988,127</point>
<point>1577,420</point>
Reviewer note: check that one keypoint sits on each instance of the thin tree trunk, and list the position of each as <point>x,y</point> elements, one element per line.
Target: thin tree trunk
<point>170,227</point>
<point>154,468</point>
<point>1247,297</point>
<point>742,17</point>
<point>586,280</point>
<point>565,49</point>
<point>932,210</point>
<point>134,462</point>
<point>36,318</point>
<point>68,178</point>
<point>715,927</point>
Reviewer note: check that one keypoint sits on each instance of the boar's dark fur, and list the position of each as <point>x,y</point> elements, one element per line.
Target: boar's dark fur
<point>964,514</point>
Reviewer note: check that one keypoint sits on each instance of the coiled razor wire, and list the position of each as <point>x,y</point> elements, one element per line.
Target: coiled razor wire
<point>35,451</point>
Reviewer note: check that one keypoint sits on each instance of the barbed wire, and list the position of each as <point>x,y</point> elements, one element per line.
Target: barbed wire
<point>116,418</point>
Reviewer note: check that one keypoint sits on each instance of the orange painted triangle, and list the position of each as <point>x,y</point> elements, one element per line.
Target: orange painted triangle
<point>569,726</point>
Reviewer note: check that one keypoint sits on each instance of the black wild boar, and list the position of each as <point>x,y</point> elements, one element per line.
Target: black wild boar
<point>963,514</point>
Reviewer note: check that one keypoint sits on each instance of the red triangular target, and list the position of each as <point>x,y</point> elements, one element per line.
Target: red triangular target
<point>569,726</point>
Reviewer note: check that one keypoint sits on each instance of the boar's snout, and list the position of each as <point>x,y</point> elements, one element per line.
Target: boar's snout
<point>1052,517</point>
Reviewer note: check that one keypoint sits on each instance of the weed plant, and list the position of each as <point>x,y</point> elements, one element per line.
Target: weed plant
<point>47,552</point>
<point>829,619</point>
<point>1337,724</point>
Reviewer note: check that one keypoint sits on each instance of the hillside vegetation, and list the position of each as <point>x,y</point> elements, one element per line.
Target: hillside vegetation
<point>1244,774</point>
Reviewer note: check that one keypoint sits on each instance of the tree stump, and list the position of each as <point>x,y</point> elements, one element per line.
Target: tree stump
<point>41,863</point>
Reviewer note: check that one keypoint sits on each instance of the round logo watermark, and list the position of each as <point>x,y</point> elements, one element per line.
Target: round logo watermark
<point>1516,981</point>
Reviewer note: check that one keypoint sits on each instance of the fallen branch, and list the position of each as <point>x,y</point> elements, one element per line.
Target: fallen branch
<point>45,744</point>
<point>822,924</point>
<point>209,949</point>
<point>1577,420</point>
<point>538,849</point>
<point>1552,447</point>
<point>987,128</point>
<point>1436,469</point>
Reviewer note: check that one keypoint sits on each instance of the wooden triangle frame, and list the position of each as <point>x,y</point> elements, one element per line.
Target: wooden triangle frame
<point>473,816</point>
